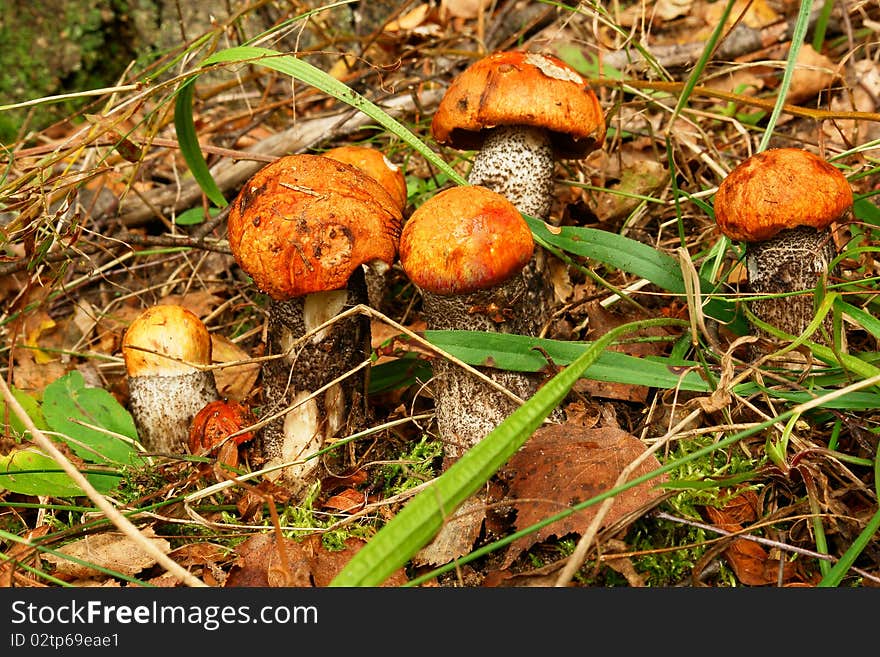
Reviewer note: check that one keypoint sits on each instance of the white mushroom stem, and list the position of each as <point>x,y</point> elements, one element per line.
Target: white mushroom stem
<point>164,406</point>
<point>467,408</point>
<point>307,367</point>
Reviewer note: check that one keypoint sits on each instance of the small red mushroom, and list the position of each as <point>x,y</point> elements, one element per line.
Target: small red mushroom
<point>213,425</point>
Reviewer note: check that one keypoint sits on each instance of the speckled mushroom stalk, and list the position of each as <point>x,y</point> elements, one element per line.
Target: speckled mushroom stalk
<point>162,349</point>
<point>302,228</point>
<point>465,249</point>
<point>521,111</point>
<point>783,204</point>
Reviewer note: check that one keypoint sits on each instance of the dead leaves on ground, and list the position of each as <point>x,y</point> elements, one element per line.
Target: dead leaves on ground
<point>563,465</point>
<point>304,563</point>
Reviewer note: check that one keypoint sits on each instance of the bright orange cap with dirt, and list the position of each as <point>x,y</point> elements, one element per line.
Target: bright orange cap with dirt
<point>780,189</point>
<point>304,223</point>
<point>168,330</point>
<point>373,162</point>
<point>526,89</point>
<point>463,239</point>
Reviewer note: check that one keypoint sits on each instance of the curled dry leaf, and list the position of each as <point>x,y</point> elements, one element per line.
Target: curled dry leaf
<point>236,381</point>
<point>306,563</point>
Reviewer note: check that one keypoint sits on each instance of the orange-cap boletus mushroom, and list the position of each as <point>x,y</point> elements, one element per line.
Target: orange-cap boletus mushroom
<point>373,162</point>
<point>163,348</point>
<point>783,204</point>
<point>519,110</point>
<point>465,249</point>
<point>302,228</point>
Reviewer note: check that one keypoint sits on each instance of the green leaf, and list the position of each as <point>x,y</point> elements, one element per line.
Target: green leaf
<point>423,516</point>
<point>518,352</point>
<point>627,254</point>
<point>398,373</point>
<point>194,216</point>
<point>30,405</point>
<point>189,144</point>
<point>31,472</point>
<point>68,405</point>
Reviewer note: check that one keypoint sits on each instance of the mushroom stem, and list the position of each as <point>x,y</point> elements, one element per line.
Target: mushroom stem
<point>467,408</point>
<point>793,260</point>
<point>291,380</point>
<point>517,162</point>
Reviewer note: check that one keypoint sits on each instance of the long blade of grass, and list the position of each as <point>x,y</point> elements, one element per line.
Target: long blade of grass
<point>797,40</point>
<point>189,144</point>
<point>300,70</point>
<point>527,354</point>
<point>415,525</point>
<point>629,255</point>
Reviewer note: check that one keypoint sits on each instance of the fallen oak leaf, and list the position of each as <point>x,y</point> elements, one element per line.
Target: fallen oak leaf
<point>308,563</point>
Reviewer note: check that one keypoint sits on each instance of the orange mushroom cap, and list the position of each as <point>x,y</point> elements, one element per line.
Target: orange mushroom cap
<point>780,189</point>
<point>304,223</point>
<point>374,162</point>
<point>464,239</point>
<point>169,330</point>
<point>520,88</point>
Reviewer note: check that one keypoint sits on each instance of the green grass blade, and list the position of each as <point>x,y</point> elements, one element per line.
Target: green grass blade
<point>700,66</point>
<point>797,40</point>
<point>418,521</point>
<point>520,353</point>
<point>629,255</point>
<point>189,144</point>
<point>300,70</point>
<point>838,571</point>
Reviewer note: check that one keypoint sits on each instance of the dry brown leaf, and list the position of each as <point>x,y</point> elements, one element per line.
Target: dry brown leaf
<point>201,302</point>
<point>463,8</point>
<point>308,563</point>
<point>457,535</point>
<point>758,13</point>
<point>347,501</point>
<point>601,321</point>
<point>813,74</point>
<point>236,381</point>
<point>111,550</point>
<point>11,572</point>
<point>561,465</point>
<point>750,562</point>
<point>642,177</point>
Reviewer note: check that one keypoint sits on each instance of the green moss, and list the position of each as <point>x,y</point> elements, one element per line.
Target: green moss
<point>52,48</point>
